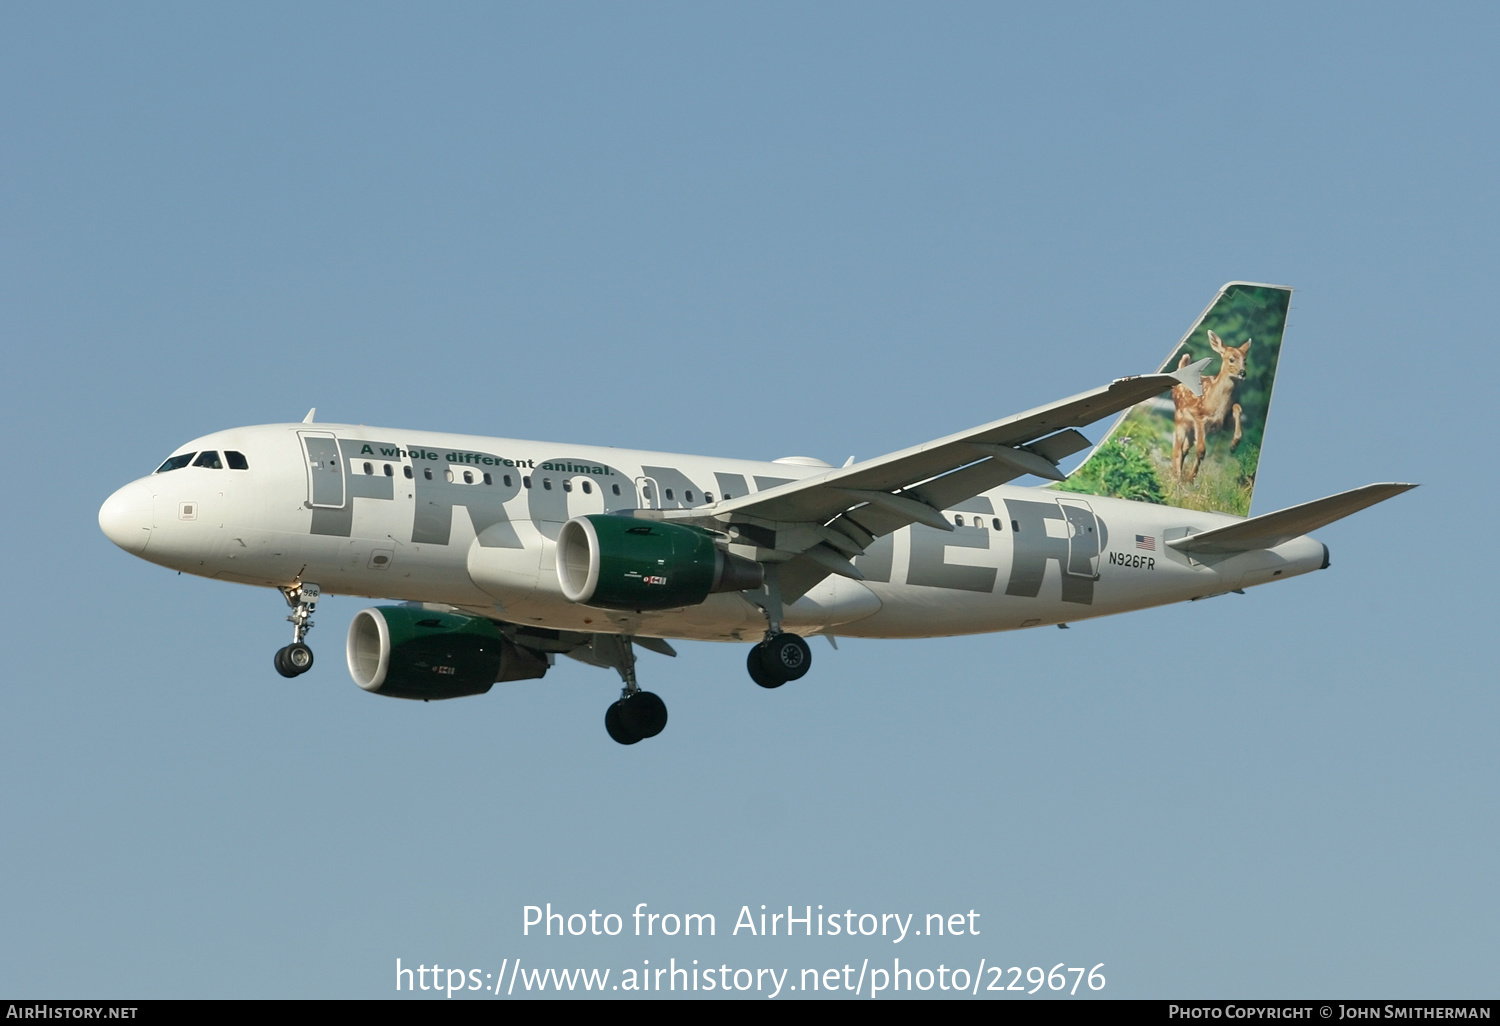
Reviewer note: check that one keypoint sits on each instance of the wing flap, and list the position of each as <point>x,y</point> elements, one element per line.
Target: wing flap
<point>1058,447</point>
<point>949,490</point>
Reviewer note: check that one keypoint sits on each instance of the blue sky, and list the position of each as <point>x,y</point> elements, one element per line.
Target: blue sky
<point>755,232</point>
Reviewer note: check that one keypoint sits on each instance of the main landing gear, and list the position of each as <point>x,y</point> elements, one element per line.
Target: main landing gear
<point>635,717</point>
<point>778,659</point>
<point>638,714</point>
<point>296,659</point>
<point>782,656</point>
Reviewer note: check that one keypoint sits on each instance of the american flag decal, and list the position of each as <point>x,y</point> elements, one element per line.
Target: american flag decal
<point>1145,541</point>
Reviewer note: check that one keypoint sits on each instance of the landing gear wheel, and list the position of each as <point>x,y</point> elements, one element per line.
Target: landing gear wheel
<point>758,670</point>
<point>636,718</point>
<point>294,660</point>
<point>620,727</point>
<point>785,656</point>
<point>299,657</point>
<point>647,711</point>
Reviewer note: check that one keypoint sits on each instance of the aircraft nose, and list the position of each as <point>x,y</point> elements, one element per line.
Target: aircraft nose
<point>125,517</point>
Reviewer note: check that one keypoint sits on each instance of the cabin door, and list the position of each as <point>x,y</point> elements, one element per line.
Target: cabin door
<point>325,470</point>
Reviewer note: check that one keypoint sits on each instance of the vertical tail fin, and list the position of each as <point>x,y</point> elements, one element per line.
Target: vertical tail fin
<point>1200,451</point>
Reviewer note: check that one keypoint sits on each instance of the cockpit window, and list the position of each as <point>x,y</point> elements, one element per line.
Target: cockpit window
<point>176,462</point>
<point>210,460</point>
<point>236,460</point>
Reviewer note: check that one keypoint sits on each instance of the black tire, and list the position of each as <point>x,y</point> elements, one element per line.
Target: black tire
<point>619,726</point>
<point>758,671</point>
<point>646,712</point>
<point>298,658</point>
<point>785,656</point>
<point>282,666</point>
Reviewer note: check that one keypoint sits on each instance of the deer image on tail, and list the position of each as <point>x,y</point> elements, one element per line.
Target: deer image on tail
<point>1197,415</point>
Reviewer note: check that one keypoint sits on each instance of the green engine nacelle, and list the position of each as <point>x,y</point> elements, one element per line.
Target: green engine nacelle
<point>410,652</point>
<point>617,562</point>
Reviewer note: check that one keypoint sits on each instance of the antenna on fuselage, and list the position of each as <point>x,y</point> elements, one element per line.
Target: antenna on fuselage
<point>310,413</point>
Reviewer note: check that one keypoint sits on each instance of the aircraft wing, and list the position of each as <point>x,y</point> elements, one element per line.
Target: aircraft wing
<point>1008,448</point>
<point>1271,529</point>
<point>840,512</point>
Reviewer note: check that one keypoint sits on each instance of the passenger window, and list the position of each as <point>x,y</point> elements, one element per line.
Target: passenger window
<point>728,496</point>
<point>708,496</point>
<point>468,477</point>
<point>236,460</point>
<point>588,489</point>
<point>688,495</point>
<point>506,479</point>
<point>209,460</point>
<point>616,489</point>
<point>959,520</point>
<point>487,478</point>
<point>547,483</point>
<point>448,475</point>
<point>669,495</point>
<point>567,486</point>
<point>407,472</point>
<point>176,462</point>
<point>526,481</point>
<point>427,473</point>
<point>1015,526</point>
<point>369,470</point>
<point>389,472</point>
<point>997,524</point>
<point>646,491</point>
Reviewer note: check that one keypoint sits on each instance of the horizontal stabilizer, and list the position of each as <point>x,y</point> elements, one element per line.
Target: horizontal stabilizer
<point>1271,529</point>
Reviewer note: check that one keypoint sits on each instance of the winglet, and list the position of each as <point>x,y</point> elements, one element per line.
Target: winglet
<point>310,413</point>
<point>1192,375</point>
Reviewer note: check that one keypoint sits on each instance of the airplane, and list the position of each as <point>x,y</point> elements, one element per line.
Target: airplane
<point>502,554</point>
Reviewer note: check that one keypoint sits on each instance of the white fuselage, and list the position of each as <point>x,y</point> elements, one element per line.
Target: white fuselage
<point>472,522</point>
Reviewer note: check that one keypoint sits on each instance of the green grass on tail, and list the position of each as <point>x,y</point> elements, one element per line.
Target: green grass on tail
<point>1220,486</point>
<point>1120,469</point>
<point>1136,463</point>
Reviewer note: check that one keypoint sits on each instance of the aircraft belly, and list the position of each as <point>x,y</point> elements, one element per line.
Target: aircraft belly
<point>721,617</point>
<point>724,617</point>
<point>910,611</point>
<point>833,602</point>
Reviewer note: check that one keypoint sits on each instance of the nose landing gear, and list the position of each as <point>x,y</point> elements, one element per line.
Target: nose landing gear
<point>296,659</point>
